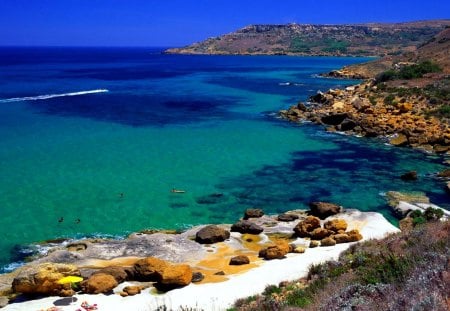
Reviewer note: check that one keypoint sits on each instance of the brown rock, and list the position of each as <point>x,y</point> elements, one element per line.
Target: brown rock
<point>275,252</point>
<point>328,242</point>
<point>245,226</point>
<point>253,213</point>
<point>334,119</point>
<point>324,209</point>
<point>299,250</point>
<point>445,173</point>
<point>319,233</point>
<point>399,140</point>
<point>132,290</point>
<point>405,107</point>
<point>303,228</point>
<point>354,235</point>
<point>341,238</point>
<point>287,217</point>
<point>99,283</point>
<point>313,244</point>
<point>43,278</point>
<point>119,273</point>
<point>149,269</point>
<point>211,234</point>
<point>239,260</point>
<point>336,225</point>
<point>174,276</point>
<point>197,277</point>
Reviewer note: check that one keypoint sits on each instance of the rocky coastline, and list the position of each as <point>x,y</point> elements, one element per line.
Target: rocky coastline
<point>160,264</point>
<point>363,110</point>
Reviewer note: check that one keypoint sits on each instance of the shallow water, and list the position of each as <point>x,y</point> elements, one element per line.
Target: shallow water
<point>204,124</point>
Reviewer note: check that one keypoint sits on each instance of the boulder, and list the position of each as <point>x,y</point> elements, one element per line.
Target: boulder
<point>328,242</point>
<point>299,250</point>
<point>303,228</point>
<point>287,217</point>
<point>408,176</point>
<point>399,140</point>
<point>43,279</point>
<point>245,226</point>
<point>197,277</point>
<point>313,244</point>
<point>334,119</point>
<point>239,260</point>
<point>341,238</point>
<point>119,273</point>
<point>211,234</point>
<point>347,125</point>
<point>319,233</point>
<point>174,276</point>
<point>253,213</point>
<point>324,209</point>
<point>354,235</point>
<point>149,269</point>
<point>132,290</point>
<point>99,283</point>
<point>277,251</point>
<point>336,225</point>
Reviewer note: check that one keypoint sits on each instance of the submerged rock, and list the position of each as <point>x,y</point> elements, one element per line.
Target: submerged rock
<point>411,175</point>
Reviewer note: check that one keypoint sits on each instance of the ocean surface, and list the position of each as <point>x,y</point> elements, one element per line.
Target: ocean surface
<point>93,140</point>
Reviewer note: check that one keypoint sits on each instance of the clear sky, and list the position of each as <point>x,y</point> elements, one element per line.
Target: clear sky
<point>180,22</point>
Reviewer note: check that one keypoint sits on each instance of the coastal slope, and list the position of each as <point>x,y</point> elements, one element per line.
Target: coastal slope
<point>372,39</point>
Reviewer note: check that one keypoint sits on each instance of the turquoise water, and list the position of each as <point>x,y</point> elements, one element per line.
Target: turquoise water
<point>202,124</point>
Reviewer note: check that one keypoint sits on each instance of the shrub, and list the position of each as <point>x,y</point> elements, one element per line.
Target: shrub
<point>271,289</point>
<point>389,100</point>
<point>433,214</point>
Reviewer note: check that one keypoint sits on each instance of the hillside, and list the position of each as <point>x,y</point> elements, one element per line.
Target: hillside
<point>304,39</point>
<point>436,48</point>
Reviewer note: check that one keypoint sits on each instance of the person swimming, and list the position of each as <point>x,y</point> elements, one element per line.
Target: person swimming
<point>177,190</point>
<point>61,219</point>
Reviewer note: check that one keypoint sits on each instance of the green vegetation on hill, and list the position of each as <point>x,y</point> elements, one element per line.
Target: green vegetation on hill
<point>409,72</point>
<point>405,271</point>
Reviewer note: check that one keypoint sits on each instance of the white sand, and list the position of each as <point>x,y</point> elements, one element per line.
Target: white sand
<point>220,296</point>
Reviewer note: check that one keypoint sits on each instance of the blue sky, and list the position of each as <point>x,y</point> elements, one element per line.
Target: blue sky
<point>180,22</point>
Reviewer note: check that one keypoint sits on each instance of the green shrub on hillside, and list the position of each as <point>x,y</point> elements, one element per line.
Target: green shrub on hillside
<point>409,72</point>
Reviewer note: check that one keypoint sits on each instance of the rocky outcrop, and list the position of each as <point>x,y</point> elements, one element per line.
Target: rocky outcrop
<point>304,228</point>
<point>99,283</point>
<point>239,260</point>
<point>120,274</point>
<point>319,233</point>
<point>404,203</point>
<point>131,290</point>
<point>324,209</point>
<point>253,213</point>
<point>211,234</point>
<point>43,279</point>
<point>197,277</point>
<point>245,226</point>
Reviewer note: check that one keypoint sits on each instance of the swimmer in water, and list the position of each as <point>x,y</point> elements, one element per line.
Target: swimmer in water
<point>61,219</point>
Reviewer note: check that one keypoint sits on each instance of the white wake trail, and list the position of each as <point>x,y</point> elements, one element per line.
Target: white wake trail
<point>48,96</point>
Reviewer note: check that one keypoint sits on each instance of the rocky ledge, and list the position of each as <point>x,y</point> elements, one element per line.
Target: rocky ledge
<point>159,262</point>
<point>366,110</point>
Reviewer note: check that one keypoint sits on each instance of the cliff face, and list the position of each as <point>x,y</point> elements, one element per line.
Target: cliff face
<point>327,40</point>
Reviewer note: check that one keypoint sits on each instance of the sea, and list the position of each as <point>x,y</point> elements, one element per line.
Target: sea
<point>94,140</point>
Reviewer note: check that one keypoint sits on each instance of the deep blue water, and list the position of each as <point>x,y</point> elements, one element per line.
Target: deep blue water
<point>204,124</point>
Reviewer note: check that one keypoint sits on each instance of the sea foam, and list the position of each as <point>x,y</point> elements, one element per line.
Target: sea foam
<point>48,96</point>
